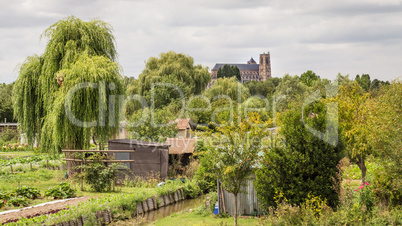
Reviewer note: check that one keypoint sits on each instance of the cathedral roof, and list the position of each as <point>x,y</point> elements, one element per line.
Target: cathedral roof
<point>250,67</point>
<point>251,61</point>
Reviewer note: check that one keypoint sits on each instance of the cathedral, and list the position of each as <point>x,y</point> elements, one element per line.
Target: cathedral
<point>250,71</point>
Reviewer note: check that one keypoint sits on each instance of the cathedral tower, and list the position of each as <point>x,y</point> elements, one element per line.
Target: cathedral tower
<point>265,66</point>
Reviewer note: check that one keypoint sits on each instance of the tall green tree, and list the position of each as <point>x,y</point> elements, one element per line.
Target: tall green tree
<point>309,77</point>
<point>228,71</point>
<point>171,77</point>
<point>385,122</point>
<point>6,103</point>
<point>66,96</point>
<point>290,90</point>
<point>364,81</point>
<point>152,125</point>
<point>229,87</point>
<point>353,116</point>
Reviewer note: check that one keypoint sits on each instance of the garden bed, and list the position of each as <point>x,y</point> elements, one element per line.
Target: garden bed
<point>44,208</point>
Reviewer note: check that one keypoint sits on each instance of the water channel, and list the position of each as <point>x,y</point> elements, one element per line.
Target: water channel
<point>163,212</point>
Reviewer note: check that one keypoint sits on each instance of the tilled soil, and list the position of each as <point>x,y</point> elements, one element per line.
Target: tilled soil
<point>40,210</point>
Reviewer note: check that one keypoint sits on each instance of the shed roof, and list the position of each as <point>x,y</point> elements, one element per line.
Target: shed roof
<point>182,123</point>
<point>139,143</point>
<point>181,145</point>
<point>250,67</point>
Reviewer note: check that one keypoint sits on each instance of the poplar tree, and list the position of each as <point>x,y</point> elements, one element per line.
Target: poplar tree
<point>68,95</point>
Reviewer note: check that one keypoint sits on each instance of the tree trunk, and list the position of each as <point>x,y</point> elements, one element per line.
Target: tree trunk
<point>363,169</point>
<point>235,214</point>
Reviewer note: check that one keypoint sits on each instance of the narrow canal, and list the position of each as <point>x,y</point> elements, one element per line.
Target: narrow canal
<point>163,212</point>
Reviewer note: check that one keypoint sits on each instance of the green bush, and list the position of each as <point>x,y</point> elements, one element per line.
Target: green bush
<point>28,192</point>
<point>99,176</point>
<point>191,188</point>
<point>205,174</point>
<point>305,164</point>
<point>366,199</point>
<point>61,191</point>
<point>387,184</point>
<point>18,201</point>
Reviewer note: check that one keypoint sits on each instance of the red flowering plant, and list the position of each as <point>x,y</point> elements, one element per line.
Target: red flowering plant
<point>362,185</point>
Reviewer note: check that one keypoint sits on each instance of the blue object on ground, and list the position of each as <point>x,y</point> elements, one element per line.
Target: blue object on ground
<point>216,211</point>
<point>161,184</point>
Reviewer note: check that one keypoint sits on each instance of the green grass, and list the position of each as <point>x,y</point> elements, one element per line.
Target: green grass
<point>44,179</point>
<point>8,155</point>
<point>352,172</point>
<point>187,218</point>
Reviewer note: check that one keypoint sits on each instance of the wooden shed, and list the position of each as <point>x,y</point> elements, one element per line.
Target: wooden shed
<point>247,202</point>
<point>150,158</point>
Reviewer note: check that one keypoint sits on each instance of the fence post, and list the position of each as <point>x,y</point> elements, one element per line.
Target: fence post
<point>82,179</point>
<point>11,168</point>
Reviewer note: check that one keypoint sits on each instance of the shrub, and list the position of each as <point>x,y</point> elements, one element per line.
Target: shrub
<point>191,188</point>
<point>28,192</point>
<point>205,174</point>
<point>18,201</point>
<point>99,176</point>
<point>366,199</point>
<point>61,191</point>
<point>305,164</point>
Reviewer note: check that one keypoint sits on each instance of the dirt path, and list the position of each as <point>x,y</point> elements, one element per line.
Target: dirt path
<point>39,210</point>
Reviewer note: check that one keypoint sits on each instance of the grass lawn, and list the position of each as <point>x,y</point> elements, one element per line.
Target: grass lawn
<point>186,218</point>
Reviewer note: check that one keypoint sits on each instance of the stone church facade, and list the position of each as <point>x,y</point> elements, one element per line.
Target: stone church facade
<point>250,71</point>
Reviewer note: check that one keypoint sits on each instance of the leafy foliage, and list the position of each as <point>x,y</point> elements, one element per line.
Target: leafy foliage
<point>28,192</point>
<point>228,71</point>
<point>229,87</point>
<point>61,191</point>
<point>76,74</point>
<point>305,164</point>
<point>18,201</point>
<point>168,71</point>
<point>155,126</point>
<point>6,104</point>
<point>236,158</point>
<point>99,176</point>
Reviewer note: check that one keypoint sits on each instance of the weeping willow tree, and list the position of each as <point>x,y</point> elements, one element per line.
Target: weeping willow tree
<point>68,95</point>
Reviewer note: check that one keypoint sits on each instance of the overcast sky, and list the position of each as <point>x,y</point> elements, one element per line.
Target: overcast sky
<point>329,37</point>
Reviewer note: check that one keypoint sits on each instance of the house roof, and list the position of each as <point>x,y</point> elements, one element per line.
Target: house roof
<point>139,143</point>
<point>250,67</point>
<point>182,123</point>
<point>181,145</point>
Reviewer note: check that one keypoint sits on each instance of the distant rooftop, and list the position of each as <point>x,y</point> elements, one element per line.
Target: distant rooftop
<point>139,142</point>
<point>250,67</point>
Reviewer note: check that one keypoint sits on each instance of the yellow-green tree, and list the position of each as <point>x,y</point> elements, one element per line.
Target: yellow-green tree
<point>386,136</point>
<point>240,150</point>
<point>353,115</point>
